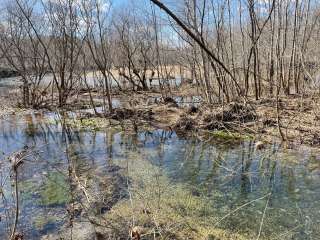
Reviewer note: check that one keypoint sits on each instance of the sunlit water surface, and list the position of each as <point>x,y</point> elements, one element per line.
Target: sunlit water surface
<point>231,174</point>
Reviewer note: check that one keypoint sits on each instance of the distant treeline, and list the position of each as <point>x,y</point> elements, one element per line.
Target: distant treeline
<point>6,73</point>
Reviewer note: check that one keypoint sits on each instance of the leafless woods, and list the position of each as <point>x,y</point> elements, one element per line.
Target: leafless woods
<point>227,49</point>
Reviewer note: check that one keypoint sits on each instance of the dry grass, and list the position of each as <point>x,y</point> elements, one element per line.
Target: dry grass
<point>299,119</point>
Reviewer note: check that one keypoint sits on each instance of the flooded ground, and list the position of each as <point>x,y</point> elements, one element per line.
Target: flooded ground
<point>94,80</point>
<point>268,194</point>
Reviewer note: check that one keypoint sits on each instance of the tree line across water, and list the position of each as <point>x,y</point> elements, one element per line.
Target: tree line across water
<point>230,49</point>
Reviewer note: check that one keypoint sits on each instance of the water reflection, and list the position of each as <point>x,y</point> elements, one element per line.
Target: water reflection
<point>229,175</point>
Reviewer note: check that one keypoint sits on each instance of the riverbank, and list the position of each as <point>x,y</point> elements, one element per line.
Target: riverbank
<point>298,121</point>
<point>295,122</point>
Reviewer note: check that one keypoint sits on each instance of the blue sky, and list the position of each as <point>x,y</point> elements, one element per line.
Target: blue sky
<point>143,5</point>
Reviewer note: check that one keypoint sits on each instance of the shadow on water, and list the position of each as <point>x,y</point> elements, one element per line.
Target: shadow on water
<point>230,175</point>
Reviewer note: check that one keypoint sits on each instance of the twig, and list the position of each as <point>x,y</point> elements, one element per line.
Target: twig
<point>16,160</point>
<point>263,216</point>
<point>238,208</point>
<point>17,206</point>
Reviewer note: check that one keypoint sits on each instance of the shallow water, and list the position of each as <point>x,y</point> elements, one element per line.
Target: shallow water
<point>229,174</point>
<point>94,80</point>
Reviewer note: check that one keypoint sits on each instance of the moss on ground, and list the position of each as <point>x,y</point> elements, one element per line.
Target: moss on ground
<point>92,124</point>
<point>229,136</point>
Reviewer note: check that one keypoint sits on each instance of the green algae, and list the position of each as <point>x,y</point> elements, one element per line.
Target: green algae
<point>28,189</point>
<point>55,190</point>
<point>41,221</point>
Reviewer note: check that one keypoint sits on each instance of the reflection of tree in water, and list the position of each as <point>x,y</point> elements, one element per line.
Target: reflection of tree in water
<point>246,162</point>
<point>230,175</point>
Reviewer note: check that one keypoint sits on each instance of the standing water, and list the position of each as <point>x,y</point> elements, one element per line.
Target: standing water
<point>268,194</point>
